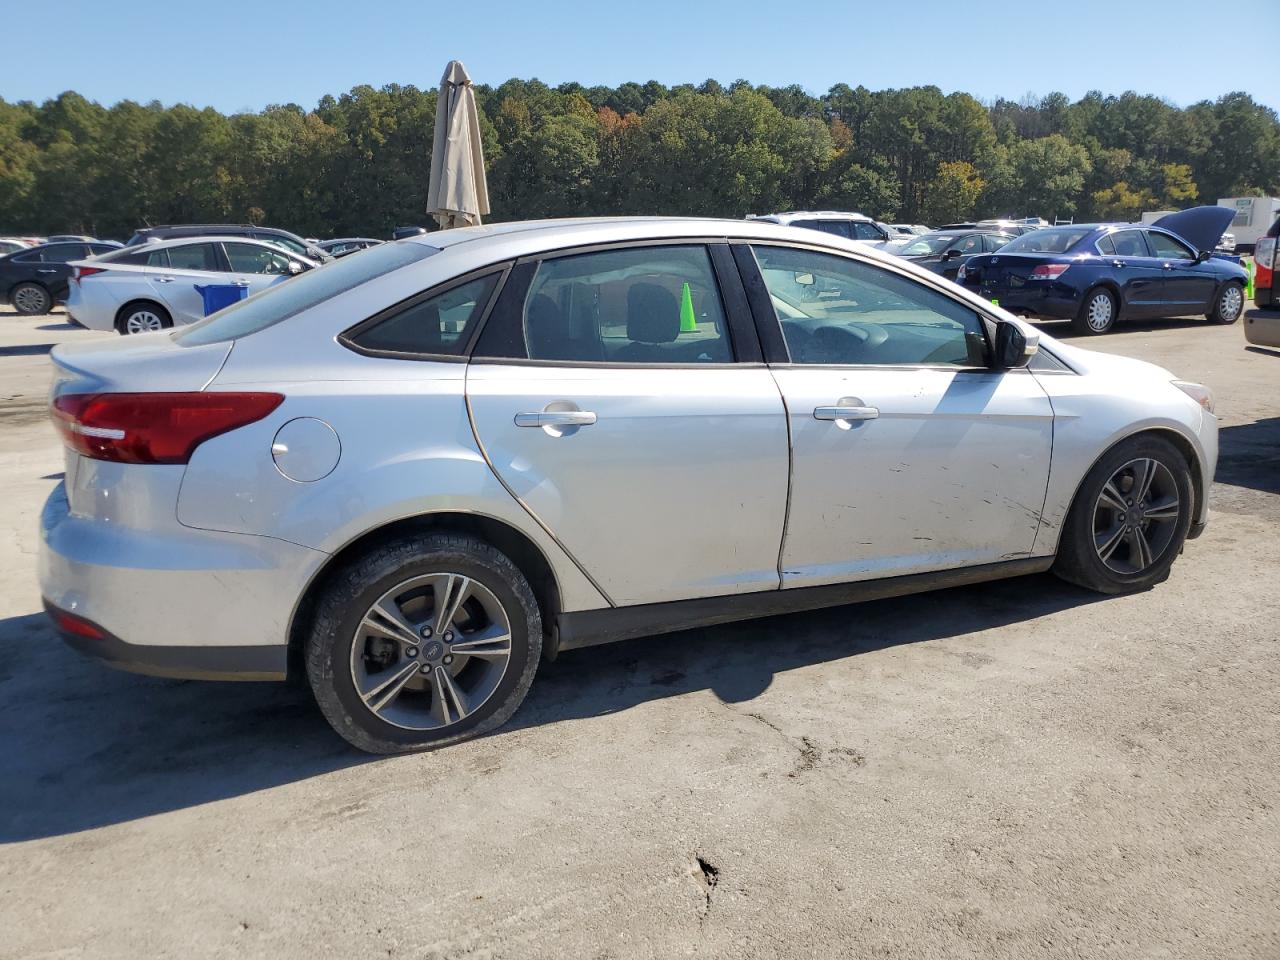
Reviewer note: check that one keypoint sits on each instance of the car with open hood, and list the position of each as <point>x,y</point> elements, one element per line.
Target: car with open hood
<point>1098,274</point>
<point>414,473</point>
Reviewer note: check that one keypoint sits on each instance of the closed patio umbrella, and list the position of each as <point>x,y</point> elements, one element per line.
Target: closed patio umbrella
<point>457,195</point>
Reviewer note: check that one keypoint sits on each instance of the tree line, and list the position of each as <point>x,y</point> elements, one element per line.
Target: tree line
<point>358,163</point>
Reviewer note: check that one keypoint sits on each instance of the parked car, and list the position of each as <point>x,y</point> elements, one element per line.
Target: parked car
<point>899,231</point>
<point>153,287</point>
<point>281,238</point>
<point>852,226</point>
<point>1266,261</point>
<point>34,279</point>
<point>1227,244</point>
<point>340,248</point>
<point>400,233</point>
<point>74,237</point>
<point>1097,274</point>
<point>946,251</point>
<point>12,245</point>
<point>416,472</point>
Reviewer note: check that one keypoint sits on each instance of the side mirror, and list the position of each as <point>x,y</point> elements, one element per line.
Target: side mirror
<point>1203,255</point>
<point>295,268</point>
<point>1013,348</point>
<point>951,254</point>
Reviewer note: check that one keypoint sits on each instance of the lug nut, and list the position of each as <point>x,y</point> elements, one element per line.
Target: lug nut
<point>448,659</point>
<point>426,633</point>
<point>426,668</point>
<point>411,652</point>
<point>448,636</point>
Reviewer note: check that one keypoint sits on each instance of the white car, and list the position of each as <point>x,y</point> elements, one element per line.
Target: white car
<point>143,288</point>
<point>415,472</point>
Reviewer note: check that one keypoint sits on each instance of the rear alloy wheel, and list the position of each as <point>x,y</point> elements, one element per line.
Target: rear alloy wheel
<point>143,318</point>
<point>1129,520</point>
<point>1229,305</point>
<point>1097,314</point>
<point>31,299</point>
<point>424,642</point>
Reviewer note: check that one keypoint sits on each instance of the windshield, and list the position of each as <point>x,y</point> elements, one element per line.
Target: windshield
<point>1048,240</point>
<point>282,301</point>
<point>928,245</point>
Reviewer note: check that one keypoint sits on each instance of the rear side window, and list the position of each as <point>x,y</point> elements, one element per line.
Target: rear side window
<point>62,253</point>
<point>194,256</point>
<point>658,305</point>
<point>838,228</point>
<point>441,324</point>
<point>301,293</point>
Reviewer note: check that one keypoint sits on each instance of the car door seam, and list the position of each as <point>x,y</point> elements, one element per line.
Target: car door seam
<point>791,470</point>
<point>475,433</point>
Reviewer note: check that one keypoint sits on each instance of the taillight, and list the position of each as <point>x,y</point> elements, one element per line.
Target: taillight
<point>153,427</point>
<point>1264,255</point>
<point>81,272</point>
<point>1049,271</point>
<point>76,626</point>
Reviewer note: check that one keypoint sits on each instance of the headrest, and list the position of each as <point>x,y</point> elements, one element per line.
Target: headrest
<point>544,327</point>
<point>653,314</point>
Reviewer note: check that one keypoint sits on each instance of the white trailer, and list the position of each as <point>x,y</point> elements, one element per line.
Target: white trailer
<point>1254,217</point>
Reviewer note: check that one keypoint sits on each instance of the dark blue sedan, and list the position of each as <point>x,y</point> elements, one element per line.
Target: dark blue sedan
<point>1096,274</point>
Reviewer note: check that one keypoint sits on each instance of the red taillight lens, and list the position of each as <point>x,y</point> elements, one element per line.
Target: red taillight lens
<point>1049,271</point>
<point>82,272</point>
<point>153,427</point>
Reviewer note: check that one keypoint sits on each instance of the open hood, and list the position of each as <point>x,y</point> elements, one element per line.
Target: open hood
<point>1202,227</point>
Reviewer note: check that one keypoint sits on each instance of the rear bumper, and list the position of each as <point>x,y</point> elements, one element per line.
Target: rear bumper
<point>173,602</point>
<point>1262,327</point>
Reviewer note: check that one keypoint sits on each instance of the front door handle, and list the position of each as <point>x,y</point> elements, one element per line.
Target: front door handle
<point>1168,266</point>
<point>556,418</point>
<point>239,283</point>
<point>1117,263</point>
<point>164,279</point>
<point>846,412</point>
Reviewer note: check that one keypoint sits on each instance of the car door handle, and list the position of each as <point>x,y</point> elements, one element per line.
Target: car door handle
<point>556,418</point>
<point>1167,266</point>
<point>843,412</point>
<point>240,283</point>
<point>1117,263</point>
<point>47,270</point>
<point>164,279</point>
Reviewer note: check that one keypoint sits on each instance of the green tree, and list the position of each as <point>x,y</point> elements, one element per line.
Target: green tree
<point>953,194</point>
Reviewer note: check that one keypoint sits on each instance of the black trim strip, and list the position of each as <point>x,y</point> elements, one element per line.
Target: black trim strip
<point>184,663</point>
<point>588,628</point>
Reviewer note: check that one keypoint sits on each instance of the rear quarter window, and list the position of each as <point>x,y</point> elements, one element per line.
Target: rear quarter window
<point>303,292</point>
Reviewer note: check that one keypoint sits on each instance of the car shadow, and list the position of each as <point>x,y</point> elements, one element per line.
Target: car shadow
<point>88,746</point>
<point>1249,455</point>
<point>26,349</point>
<point>1061,329</point>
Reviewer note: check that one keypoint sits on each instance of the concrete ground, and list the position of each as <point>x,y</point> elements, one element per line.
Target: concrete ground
<point>1014,770</point>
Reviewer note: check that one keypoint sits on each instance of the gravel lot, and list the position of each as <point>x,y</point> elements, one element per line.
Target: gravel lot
<point>1015,770</point>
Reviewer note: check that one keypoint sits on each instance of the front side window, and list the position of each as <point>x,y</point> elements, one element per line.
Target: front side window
<point>441,324</point>
<point>834,310</point>
<point>251,258</point>
<point>194,256</point>
<point>285,243</point>
<point>656,304</point>
<point>1169,248</point>
<point>866,231</point>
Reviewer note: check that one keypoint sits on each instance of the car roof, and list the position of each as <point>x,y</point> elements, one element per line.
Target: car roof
<point>205,238</point>
<point>811,215</point>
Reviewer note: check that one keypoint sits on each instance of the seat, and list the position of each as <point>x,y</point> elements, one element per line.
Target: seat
<point>653,320</point>
<point>553,333</point>
<point>1127,247</point>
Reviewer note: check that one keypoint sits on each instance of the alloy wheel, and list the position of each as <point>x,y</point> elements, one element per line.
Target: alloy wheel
<point>31,300</point>
<point>1232,302</point>
<point>1136,516</point>
<point>431,651</point>
<point>1100,312</point>
<point>143,321</point>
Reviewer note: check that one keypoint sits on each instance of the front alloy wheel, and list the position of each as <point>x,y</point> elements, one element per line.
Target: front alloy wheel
<point>1136,516</point>
<point>143,321</point>
<point>1230,305</point>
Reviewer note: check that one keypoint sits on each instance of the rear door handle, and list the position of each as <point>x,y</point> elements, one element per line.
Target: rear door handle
<point>47,270</point>
<point>556,418</point>
<point>164,279</point>
<point>1168,266</point>
<point>1117,263</point>
<point>845,412</point>
<point>239,283</point>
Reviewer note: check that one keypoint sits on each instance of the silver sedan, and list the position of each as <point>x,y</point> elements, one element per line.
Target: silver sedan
<point>415,473</point>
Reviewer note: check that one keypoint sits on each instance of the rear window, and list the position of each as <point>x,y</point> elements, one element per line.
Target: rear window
<point>286,299</point>
<point>1048,240</point>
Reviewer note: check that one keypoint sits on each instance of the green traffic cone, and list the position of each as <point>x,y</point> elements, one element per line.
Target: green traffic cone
<point>688,322</point>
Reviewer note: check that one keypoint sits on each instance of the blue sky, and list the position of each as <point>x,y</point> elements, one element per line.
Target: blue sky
<point>237,55</point>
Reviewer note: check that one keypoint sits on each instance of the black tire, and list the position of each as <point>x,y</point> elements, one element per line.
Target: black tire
<point>353,590</point>
<point>1222,312</point>
<point>1079,560</point>
<point>1081,324</point>
<point>31,299</point>
<point>138,308</point>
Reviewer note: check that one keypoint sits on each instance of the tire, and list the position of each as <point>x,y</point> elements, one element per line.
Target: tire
<point>1093,524</point>
<point>1229,305</point>
<point>142,316</point>
<point>354,661</point>
<point>31,299</point>
<point>1097,313</point>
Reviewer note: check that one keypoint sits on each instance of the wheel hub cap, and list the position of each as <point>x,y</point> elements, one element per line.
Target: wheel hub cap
<point>1136,516</point>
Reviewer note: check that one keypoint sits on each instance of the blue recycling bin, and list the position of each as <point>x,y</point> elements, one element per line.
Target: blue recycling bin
<point>219,295</point>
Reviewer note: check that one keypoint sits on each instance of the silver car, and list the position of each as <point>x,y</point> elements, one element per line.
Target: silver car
<point>418,471</point>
